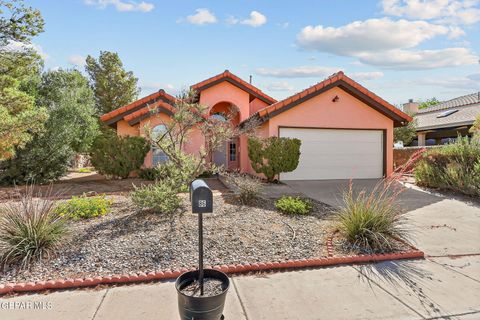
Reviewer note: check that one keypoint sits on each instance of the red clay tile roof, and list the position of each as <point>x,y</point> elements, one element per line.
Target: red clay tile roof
<point>122,110</point>
<point>237,81</point>
<point>147,110</point>
<point>337,79</point>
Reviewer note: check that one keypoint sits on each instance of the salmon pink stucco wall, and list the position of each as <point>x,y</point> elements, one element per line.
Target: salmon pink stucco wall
<point>226,92</point>
<point>256,105</point>
<point>124,129</point>
<point>347,113</point>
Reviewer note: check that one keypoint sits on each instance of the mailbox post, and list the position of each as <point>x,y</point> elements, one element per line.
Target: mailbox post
<point>209,304</point>
<point>202,202</point>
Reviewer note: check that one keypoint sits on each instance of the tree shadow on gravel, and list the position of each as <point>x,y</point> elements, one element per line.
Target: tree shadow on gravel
<point>406,276</point>
<point>131,223</point>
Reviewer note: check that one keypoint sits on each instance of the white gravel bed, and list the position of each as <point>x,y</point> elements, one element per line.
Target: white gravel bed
<point>127,241</point>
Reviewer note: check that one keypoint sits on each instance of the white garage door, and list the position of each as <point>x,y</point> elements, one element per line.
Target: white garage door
<point>336,154</point>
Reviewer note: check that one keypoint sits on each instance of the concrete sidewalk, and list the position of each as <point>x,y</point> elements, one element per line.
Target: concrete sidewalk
<point>425,289</point>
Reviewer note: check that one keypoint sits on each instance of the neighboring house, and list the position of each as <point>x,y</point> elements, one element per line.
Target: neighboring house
<point>443,122</point>
<point>346,130</point>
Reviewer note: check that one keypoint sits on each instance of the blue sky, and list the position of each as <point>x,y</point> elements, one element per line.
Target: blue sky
<point>400,49</point>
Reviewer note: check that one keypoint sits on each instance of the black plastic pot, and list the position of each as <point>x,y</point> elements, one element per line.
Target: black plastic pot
<point>201,308</point>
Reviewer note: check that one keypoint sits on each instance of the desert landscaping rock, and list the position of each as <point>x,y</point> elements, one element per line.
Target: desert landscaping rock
<point>128,241</point>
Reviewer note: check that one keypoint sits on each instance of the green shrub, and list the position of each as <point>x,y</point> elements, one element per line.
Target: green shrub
<point>273,155</point>
<point>84,207</point>
<point>160,197</point>
<point>293,205</point>
<point>249,188</point>
<point>151,174</point>
<point>30,230</point>
<point>371,220</point>
<point>178,177</point>
<point>454,166</point>
<point>117,156</point>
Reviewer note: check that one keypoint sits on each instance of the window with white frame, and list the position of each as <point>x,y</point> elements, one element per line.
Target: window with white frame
<point>158,155</point>
<point>232,151</point>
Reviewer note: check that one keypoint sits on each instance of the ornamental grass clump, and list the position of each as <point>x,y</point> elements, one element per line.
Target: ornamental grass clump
<point>294,205</point>
<point>30,230</point>
<point>373,220</point>
<point>248,188</point>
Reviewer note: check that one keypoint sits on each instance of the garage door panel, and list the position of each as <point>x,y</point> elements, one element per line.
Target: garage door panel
<point>336,154</point>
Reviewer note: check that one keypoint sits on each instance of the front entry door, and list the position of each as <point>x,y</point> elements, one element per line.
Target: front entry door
<point>220,156</point>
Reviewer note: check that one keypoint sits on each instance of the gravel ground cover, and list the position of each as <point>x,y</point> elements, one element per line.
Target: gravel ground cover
<point>128,241</point>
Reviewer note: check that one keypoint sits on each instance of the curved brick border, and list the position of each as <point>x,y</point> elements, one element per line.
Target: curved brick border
<point>331,260</point>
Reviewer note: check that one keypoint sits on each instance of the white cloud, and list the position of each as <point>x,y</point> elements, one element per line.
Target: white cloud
<point>202,16</point>
<point>455,32</point>
<point>280,86</point>
<point>447,11</point>
<point>77,60</point>
<point>467,82</point>
<point>297,72</point>
<point>420,59</point>
<point>122,5</point>
<point>232,20</point>
<point>18,46</point>
<point>384,42</point>
<point>156,86</point>
<point>368,36</point>
<point>370,75</point>
<point>256,20</point>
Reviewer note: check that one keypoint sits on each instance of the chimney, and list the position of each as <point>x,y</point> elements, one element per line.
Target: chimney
<point>250,79</point>
<point>410,107</point>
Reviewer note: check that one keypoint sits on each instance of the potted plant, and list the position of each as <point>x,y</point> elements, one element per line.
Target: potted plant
<point>201,293</point>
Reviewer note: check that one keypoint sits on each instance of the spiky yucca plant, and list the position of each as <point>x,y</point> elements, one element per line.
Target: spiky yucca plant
<point>30,229</point>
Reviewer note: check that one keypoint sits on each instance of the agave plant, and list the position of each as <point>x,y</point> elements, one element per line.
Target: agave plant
<point>30,229</point>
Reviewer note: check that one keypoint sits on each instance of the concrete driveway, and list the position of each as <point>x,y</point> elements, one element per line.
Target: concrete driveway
<point>330,192</point>
<point>440,225</point>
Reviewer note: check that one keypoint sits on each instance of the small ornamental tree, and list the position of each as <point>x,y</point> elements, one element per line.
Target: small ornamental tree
<point>116,156</point>
<point>273,155</point>
<point>406,133</point>
<point>189,115</point>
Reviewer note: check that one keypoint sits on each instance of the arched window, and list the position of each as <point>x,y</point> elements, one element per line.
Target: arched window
<point>158,155</point>
<point>219,116</point>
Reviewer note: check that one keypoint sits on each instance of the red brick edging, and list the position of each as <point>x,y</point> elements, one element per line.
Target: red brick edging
<point>238,268</point>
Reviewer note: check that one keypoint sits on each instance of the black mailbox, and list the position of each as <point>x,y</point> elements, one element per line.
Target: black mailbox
<point>201,197</point>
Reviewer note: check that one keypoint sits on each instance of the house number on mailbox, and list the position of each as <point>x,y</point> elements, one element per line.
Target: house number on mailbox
<point>202,203</point>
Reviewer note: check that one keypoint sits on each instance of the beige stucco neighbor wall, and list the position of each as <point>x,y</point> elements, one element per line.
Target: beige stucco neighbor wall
<point>347,113</point>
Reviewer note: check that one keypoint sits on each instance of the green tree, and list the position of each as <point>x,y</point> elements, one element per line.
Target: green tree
<point>428,103</point>
<point>18,22</point>
<point>19,118</point>
<point>113,86</point>
<point>273,155</point>
<point>70,128</point>
<point>406,133</point>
